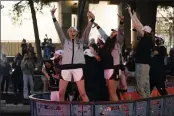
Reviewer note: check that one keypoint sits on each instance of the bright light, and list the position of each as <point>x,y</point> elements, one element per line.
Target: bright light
<point>76,1</point>
<point>102,11</point>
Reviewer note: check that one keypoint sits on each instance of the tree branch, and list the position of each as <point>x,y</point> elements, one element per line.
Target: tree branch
<point>163,17</point>
<point>18,3</point>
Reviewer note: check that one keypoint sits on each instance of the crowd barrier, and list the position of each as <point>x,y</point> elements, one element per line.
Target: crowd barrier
<point>157,106</point>
<point>154,106</point>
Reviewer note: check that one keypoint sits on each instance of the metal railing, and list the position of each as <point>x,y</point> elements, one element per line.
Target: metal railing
<point>156,106</point>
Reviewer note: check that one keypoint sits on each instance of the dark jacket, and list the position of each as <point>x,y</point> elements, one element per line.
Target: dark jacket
<point>6,69</point>
<point>143,50</point>
<point>27,66</point>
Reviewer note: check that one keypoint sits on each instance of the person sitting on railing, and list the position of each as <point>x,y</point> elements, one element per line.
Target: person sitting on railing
<point>157,68</point>
<point>73,58</point>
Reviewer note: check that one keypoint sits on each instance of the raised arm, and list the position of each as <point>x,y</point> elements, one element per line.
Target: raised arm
<point>101,31</point>
<point>85,36</point>
<point>57,26</point>
<point>137,26</point>
<point>137,20</point>
<point>120,35</point>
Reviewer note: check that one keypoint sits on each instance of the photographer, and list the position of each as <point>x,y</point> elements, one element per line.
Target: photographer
<point>157,67</point>
<point>27,67</point>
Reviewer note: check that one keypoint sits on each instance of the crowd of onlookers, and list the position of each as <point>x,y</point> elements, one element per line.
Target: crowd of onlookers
<point>18,73</point>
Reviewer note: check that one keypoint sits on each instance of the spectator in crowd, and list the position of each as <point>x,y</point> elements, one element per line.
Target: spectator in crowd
<point>5,73</point>
<point>73,57</point>
<point>157,67</point>
<point>24,47</point>
<point>31,49</point>
<point>142,56</point>
<point>27,67</point>
<point>17,76</point>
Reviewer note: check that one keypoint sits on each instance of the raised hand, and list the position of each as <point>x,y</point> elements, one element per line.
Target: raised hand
<point>90,15</point>
<point>53,10</point>
<point>129,8</point>
<point>121,17</point>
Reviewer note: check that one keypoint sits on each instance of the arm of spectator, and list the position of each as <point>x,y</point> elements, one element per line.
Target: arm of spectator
<point>136,24</point>
<point>137,20</point>
<point>55,76</point>
<point>85,36</point>
<point>120,35</point>
<point>101,31</point>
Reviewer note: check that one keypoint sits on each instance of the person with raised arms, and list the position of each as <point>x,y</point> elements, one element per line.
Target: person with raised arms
<point>142,55</point>
<point>111,56</point>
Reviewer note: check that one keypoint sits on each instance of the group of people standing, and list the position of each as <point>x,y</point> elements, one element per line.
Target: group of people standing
<point>75,64</point>
<point>150,55</point>
<point>89,64</point>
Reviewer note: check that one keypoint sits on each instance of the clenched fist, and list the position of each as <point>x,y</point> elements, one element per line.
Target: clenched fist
<point>53,11</point>
<point>90,15</point>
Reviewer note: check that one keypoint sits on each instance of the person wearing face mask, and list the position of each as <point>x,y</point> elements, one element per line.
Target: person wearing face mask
<point>73,58</point>
<point>157,68</point>
<point>111,56</point>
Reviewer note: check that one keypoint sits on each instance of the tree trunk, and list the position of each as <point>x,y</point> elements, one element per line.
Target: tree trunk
<point>81,7</point>
<point>36,32</point>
